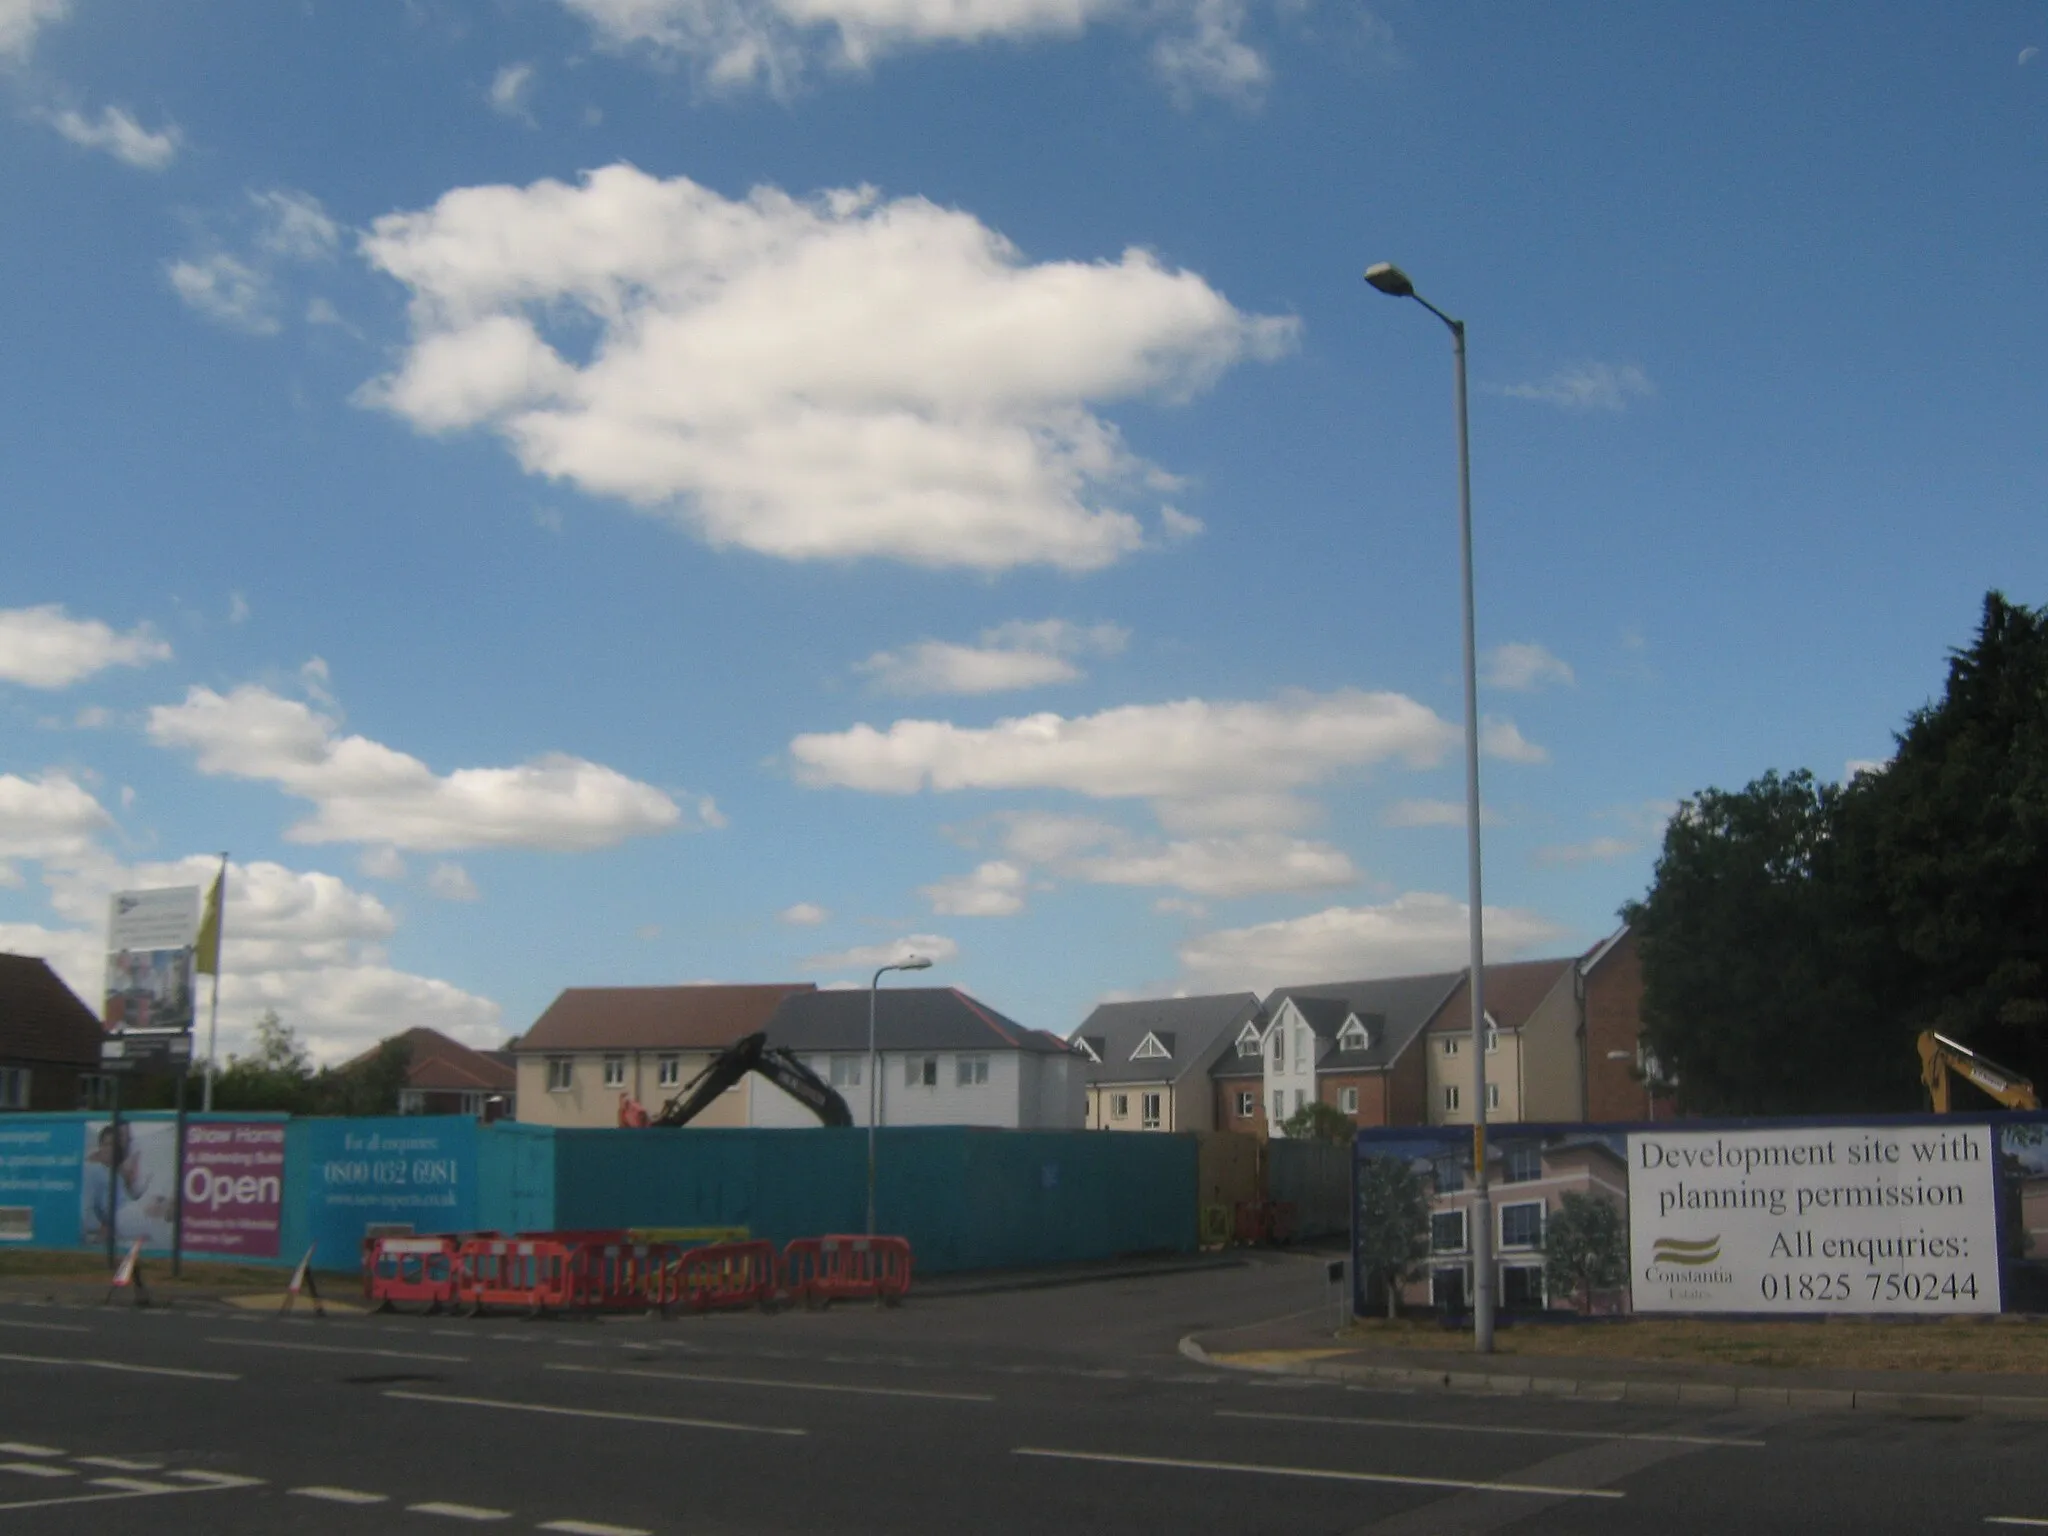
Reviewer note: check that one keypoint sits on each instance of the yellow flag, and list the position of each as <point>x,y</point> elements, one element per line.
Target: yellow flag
<point>206,948</point>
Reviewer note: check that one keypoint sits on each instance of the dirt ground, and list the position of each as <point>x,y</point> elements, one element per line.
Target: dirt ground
<point>2008,1345</point>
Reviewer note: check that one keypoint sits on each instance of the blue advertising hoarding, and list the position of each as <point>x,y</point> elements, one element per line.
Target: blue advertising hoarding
<point>40,1161</point>
<point>411,1171</point>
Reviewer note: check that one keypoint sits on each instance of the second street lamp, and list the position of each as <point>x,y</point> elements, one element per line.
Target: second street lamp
<point>1392,281</point>
<point>908,963</point>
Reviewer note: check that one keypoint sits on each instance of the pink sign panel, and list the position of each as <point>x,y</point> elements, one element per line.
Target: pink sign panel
<point>234,1187</point>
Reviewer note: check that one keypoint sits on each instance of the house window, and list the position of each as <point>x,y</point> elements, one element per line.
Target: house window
<point>1493,1095</point>
<point>1247,1104</point>
<point>921,1072</point>
<point>1347,1100</point>
<point>1522,1164</point>
<point>1521,1226</point>
<point>1148,1105</point>
<point>1450,1098</point>
<point>968,1071</point>
<point>473,1103</point>
<point>1521,1287</point>
<point>412,1101</point>
<point>668,1071</point>
<point>1279,1104</point>
<point>1447,1232</point>
<point>1450,1045</point>
<point>845,1071</point>
<point>1492,1041</point>
<point>1248,1041</point>
<point>561,1073</point>
<point>1450,1178</point>
<point>1119,1106</point>
<point>1352,1037</point>
<point>1279,1050</point>
<point>1299,1098</point>
<point>1151,1048</point>
<point>95,1090</point>
<point>1300,1045</point>
<point>13,1087</point>
<point>615,1071</point>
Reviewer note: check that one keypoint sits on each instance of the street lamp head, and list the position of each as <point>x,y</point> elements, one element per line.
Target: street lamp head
<point>1390,280</point>
<point>914,963</point>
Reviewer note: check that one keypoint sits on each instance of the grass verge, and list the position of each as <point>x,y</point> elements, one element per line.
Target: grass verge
<point>82,1268</point>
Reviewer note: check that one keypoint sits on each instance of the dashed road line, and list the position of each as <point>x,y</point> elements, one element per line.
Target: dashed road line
<point>9,1322</point>
<point>119,1463</point>
<point>1324,1474</point>
<point>216,1479</point>
<point>123,1366</point>
<point>35,1469</point>
<point>2013,1520</point>
<point>459,1511</point>
<point>595,1413</point>
<point>591,1528</point>
<point>769,1381</point>
<point>23,1448</point>
<point>343,1349</point>
<point>1486,1429</point>
<point>339,1495</point>
<point>135,1484</point>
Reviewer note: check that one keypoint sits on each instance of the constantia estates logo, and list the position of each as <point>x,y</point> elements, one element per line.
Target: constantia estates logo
<point>1680,1250</point>
<point>1687,1261</point>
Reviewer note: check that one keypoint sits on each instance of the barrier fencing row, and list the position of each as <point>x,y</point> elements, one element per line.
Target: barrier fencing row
<point>542,1273</point>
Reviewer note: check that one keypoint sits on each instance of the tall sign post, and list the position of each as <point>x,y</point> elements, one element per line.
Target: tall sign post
<point>148,1013</point>
<point>205,962</point>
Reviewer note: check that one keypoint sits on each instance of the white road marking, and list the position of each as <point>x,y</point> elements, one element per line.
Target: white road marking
<point>1483,1429</point>
<point>766,1381</point>
<point>594,1413</point>
<point>119,1463</point>
<point>459,1511</point>
<point>592,1528</point>
<point>118,1495</point>
<point>1187,1464</point>
<point>23,1448</point>
<point>8,1322</point>
<point>36,1469</point>
<point>216,1479</point>
<point>339,1495</point>
<point>343,1349</point>
<point>2012,1520</point>
<point>122,1365</point>
<point>134,1485</point>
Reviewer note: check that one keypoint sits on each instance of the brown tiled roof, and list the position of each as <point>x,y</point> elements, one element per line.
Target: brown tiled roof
<point>441,1065</point>
<point>1512,992</point>
<point>653,1018</point>
<point>41,1019</point>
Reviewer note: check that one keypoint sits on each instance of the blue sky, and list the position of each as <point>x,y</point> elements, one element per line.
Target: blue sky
<point>603,491</point>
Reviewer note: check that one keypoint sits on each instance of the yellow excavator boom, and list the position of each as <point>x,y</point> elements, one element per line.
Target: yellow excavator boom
<point>1942,1059</point>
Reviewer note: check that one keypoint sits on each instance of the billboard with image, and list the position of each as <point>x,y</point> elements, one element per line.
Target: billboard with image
<point>149,959</point>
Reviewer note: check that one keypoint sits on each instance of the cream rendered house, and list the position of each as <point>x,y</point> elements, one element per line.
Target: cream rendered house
<point>1149,1062</point>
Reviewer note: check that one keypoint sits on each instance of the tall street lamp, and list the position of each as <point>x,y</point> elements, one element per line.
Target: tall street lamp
<point>908,963</point>
<point>1392,281</point>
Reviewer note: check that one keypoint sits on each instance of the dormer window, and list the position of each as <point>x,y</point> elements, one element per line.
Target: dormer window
<point>1248,1043</point>
<point>1151,1048</point>
<point>1088,1048</point>
<point>1354,1036</point>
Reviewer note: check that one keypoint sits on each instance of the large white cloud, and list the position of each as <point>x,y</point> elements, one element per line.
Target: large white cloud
<point>1009,656</point>
<point>1415,933</point>
<point>51,817</point>
<point>117,133</point>
<point>828,377</point>
<point>19,20</point>
<point>1242,864</point>
<point>45,647</point>
<point>993,889</point>
<point>367,792</point>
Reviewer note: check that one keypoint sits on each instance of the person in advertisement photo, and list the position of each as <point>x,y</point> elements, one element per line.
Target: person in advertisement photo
<point>130,1180</point>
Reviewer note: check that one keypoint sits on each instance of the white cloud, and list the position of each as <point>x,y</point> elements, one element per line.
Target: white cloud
<point>238,608</point>
<point>1209,57</point>
<point>227,289</point>
<point>994,889</point>
<point>381,864</point>
<point>510,88</point>
<point>93,717</point>
<point>50,817</point>
<point>1599,850</point>
<point>2028,54</point>
<point>1100,853</point>
<point>1180,906</point>
<point>367,792</point>
<point>1010,656</point>
<point>1187,751</point>
<point>1856,767</point>
<point>1433,813</point>
<point>1501,739</point>
<point>931,946</point>
<point>451,882</point>
<point>1588,387</point>
<point>293,226</point>
<point>1523,667</point>
<point>46,648</point>
<point>118,134</point>
<point>805,914</point>
<point>1415,933</point>
<point>826,378</point>
<point>20,19</point>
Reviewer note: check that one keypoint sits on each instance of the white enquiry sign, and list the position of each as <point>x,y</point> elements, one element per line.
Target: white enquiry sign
<point>1814,1219</point>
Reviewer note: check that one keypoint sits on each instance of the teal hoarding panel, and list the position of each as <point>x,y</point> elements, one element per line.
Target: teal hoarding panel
<point>40,1168</point>
<point>516,1178</point>
<point>416,1171</point>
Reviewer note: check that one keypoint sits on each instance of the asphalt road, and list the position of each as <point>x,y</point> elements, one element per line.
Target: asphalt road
<point>1066,1410</point>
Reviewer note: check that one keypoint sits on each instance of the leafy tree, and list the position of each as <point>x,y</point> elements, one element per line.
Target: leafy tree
<point>1393,1226</point>
<point>1317,1121</point>
<point>1585,1247</point>
<point>279,1075</point>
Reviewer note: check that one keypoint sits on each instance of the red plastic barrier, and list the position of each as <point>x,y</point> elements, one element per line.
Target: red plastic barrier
<point>1266,1221</point>
<point>536,1275</point>
<point>409,1269</point>
<point>615,1276</point>
<point>720,1275</point>
<point>822,1270</point>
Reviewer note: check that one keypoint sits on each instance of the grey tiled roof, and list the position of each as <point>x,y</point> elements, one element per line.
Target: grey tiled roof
<point>1394,1009</point>
<point>1195,1029</point>
<point>906,1019</point>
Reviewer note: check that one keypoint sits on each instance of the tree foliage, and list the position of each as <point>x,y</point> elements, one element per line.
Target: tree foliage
<point>1585,1247</point>
<point>1393,1225</point>
<point>1798,934</point>
<point>279,1075</point>
<point>1317,1121</point>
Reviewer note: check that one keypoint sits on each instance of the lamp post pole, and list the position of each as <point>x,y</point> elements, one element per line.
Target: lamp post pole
<point>1392,281</point>
<point>908,963</point>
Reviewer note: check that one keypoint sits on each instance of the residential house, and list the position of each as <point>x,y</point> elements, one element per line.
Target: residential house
<point>446,1077</point>
<point>1149,1063</point>
<point>49,1041</point>
<point>941,1058</point>
<point>1532,1046</point>
<point>1619,1076</point>
<point>1527,1181</point>
<point>597,1045</point>
<point>1352,1045</point>
<point>1238,1080</point>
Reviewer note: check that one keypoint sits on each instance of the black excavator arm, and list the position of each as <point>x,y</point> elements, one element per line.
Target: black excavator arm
<point>755,1054</point>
